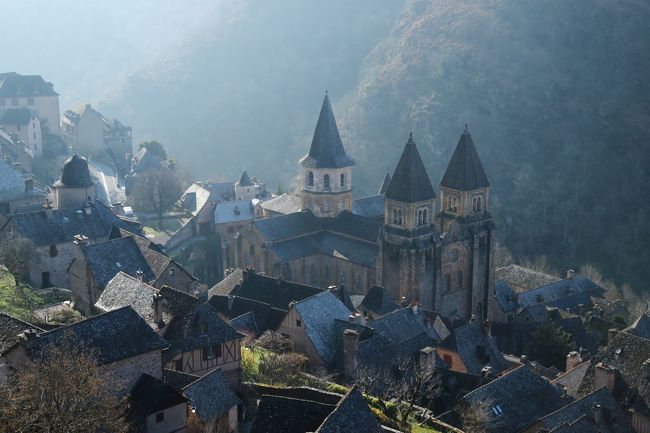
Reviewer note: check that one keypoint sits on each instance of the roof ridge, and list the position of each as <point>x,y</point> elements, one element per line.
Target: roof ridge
<point>90,318</point>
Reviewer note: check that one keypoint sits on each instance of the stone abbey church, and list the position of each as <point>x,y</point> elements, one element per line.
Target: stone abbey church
<point>437,251</point>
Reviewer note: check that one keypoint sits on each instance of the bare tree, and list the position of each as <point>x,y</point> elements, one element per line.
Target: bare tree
<point>475,418</point>
<point>16,254</point>
<point>156,192</point>
<point>64,393</point>
<point>275,342</point>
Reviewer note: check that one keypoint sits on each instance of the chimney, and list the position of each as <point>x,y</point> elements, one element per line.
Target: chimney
<point>139,275</point>
<point>611,334</point>
<point>157,308</point>
<point>47,208</point>
<point>523,359</point>
<point>80,240</point>
<point>487,328</point>
<point>29,186</point>
<point>427,357</point>
<point>87,209</point>
<point>357,318</point>
<point>570,274</point>
<point>597,412</point>
<point>414,306</point>
<point>646,369</point>
<point>350,348</point>
<point>604,375</point>
<point>581,309</point>
<point>572,360</point>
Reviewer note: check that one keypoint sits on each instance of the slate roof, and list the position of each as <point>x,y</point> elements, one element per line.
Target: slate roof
<point>107,258</point>
<point>112,336</point>
<point>410,182</point>
<point>384,183</point>
<point>276,292</point>
<point>234,211</point>
<point>287,226</point>
<point>245,324</point>
<point>612,418</point>
<point>326,149</point>
<point>573,378</point>
<point>640,327</point>
<point>378,301</point>
<point>145,160</point>
<point>123,290</point>
<point>475,348</point>
<point>149,395</point>
<point>403,324</point>
<point>523,397</point>
<point>16,116</point>
<point>284,204</point>
<point>465,171</point>
<point>184,333</point>
<point>245,180</point>
<point>559,289</point>
<point>65,224</point>
<point>318,314</point>
<point>265,316</point>
<point>12,183</point>
<point>277,414</point>
<point>211,396</point>
<point>519,277</point>
<point>75,173</point>
<point>505,296</point>
<point>369,207</point>
<point>178,379</point>
<point>352,414</point>
<point>16,85</point>
<point>10,330</point>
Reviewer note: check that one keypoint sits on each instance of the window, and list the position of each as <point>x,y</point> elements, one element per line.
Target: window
<point>497,410</point>
<point>298,323</point>
<point>479,204</point>
<point>326,182</point>
<point>178,364</point>
<point>30,101</point>
<point>211,352</point>
<point>447,282</point>
<point>171,272</point>
<point>45,280</point>
<point>399,216</point>
<point>425,216</point>
<point>160,417</point>
<point>342,180</point>
<point>53,251</point>
<point>394,216</point>
<point>327,273</point>
<point>310,179</point>
<point>459,280</point>
<point>357,282</point>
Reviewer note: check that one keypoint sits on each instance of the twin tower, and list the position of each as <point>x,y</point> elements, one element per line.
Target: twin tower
<point>436,252</point>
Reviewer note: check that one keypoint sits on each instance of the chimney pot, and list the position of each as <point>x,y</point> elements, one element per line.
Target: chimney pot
<point>611,334</point>
<point>157,309</point>
<point>139,275</point>
<point>350,348</point>
<point>570,274</point>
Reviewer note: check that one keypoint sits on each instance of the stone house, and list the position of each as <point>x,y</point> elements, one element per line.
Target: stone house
<point>200,342</point>
<point>156,407</point>
<point>26,125</point>
<point>213,403</point>
<point>33,93</point>
<point>124,344</point>
<point>12,331</point>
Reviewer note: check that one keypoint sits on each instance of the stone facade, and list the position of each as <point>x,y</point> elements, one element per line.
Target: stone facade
<point>326,191</point>
<point>123,373</point>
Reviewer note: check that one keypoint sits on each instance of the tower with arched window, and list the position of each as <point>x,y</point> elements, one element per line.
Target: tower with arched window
<point>326,169</point>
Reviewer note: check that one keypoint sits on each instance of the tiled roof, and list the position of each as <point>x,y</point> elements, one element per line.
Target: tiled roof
<point>185,333</point>
<point>318,314</point>
<point>369,207</point>
<point>288,226</point>
<point>284,204</point>
<point>522,396</point>
<point>573,378</point>
<point>265,317</point>
<point>16,85</point>
<point>378,301</point>
<point>10,330</point>
<point>149,395</point>
<point>277,414</point>
<point>465,171</point>
<point>245,324</point>
<point>403,324</point>
<point>559,289</point>
<point>16,116</point>
<point>475,348</point>
<point>112,336</point>
<point>326,149</point>
<point>352,414</point>
<point>211,396</point>
<point>410,182</point>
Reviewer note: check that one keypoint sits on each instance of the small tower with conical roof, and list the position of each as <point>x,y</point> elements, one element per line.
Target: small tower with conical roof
<point>76,187</point>
<point>244,187</point>
<point>407,241</point>
<point>326,169</point>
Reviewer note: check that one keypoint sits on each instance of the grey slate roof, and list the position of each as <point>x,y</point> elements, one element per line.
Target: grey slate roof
<point>287,226</point>
<point>326,149</point>
<point>10,330</point>
<point>410,182</point>
<point>184,333</point>
<point>369,207</point>
<point>475,348</point>
<point>75,173</point>
<point>525,278</point>
<point>559,289</point>
<point>245,324</point>
<point>16,116</point>
<point>505,296</point>
<point>178,379</point>
<point>245,180</point>
<point>234,211</point>
<point>403,324</point>
<point>352,414</point>
<point>318,314</point>
<point>211,396</point>
<point>384,183</point>
<point>12,183</point>
<point>522,395</point>
<point>284,204</point>
<point>465,171</point>
<point>265,317</point>
<point>640,327</point>
<point>112,336</point>
<point>107,258</point>
<point>276,414</point>
<point>378,301</point>
<point>149,395</point>
<point>16,85</point>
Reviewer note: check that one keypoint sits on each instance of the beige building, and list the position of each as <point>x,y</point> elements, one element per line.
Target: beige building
<point>33,93</point>
<point>76,187</point>
<point>24,124</point>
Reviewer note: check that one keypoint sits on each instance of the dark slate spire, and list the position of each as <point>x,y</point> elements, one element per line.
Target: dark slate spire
<point>465,171</point>
<point>326,147</point>
<point>410,182</point>
<point>245,180</point>
<point>75,173</point>
<point>384,183</point>
<point>352,414</point>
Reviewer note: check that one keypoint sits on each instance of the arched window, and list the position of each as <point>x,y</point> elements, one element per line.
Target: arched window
<point>425,216</point>
<point>420,217</point>
<point>399,216</point>
<point>342,180</point>
<point>394,216</point>
<point>310,179</point>
<point>326,182</point>
<point>459,279</point>
<point>447,281</point>
<point>479,204</point>
<point>474,205</point>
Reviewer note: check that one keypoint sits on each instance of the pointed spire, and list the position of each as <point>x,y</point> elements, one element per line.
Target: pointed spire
<point>384,183</point>
<point>245,180</point>
<point>326,147</point>
<point>465,171</point>
<point>410,182</point>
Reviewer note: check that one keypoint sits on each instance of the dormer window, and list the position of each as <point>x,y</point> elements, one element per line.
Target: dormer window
<point>326,182</point>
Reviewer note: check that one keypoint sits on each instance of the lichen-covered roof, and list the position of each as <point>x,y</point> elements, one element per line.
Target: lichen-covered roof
<point>558,290</point>
<point>211,396</point>
<point>10,330</point>
<point>284,204</point>
<point>352,414</point>
<point>520,278</point>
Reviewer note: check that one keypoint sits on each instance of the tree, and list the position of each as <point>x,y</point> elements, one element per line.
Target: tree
<point>475,418</point>
<point>155,148</point>
<point>64,393</point>
<point>549,345</point>
<point>156,191</point>
<point>16,254</point>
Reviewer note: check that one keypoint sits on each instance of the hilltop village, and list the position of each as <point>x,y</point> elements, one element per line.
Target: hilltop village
<point>158,303</point>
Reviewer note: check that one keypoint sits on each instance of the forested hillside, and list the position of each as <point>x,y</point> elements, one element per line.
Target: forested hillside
<point>555,94</point>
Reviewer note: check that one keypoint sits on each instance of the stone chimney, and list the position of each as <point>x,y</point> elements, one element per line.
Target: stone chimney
<point>487,328</point>
<point>597,413</point>
<point>80,240</point>
<point>350,349</point>
<point>570,274</point>
<point>139,275</point>
<point>157,308</point>
<point>572,360</point>
<point>47,208</point>
<point>523,359</point>
<point>646,369</point>
<point>604,375</point>
<point>427,357</point>
<point>29,186</point>
<point>611,334</point>
<point>357,318</point>
<point>414,306</point>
